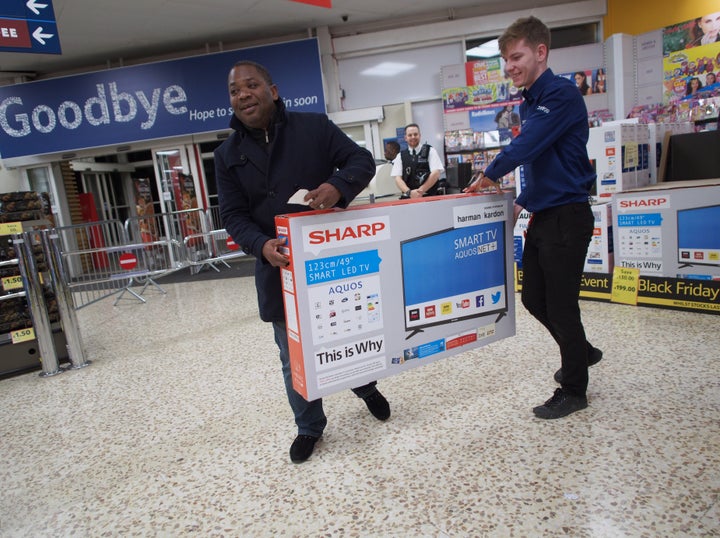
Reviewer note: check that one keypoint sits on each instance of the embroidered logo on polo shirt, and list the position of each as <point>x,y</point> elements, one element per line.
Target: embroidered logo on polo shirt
<point>543,109</point>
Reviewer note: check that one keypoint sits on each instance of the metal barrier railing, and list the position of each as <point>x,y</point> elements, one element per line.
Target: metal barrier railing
<point>174,226</point>
<point>128,265</point>
<point>82,252</point>
<point>68,319</point>
<point>108,258</point>
<point>223,247</point>
<point>212,215</point>
<point>92,261</point>
<point>220,246</point>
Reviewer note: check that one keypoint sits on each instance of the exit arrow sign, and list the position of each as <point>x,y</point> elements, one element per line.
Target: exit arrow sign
<point>28,26</point>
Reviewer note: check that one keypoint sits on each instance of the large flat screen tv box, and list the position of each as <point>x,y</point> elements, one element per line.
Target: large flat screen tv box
<point>670,229</point>
<point>374,290</point>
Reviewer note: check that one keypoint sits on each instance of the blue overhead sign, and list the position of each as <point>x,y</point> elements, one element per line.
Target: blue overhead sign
<point>150,101</point>
<point>28,26</point>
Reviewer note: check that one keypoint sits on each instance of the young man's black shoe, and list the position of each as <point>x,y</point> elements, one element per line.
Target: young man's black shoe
<point>378,405</point>
<point>594,358</point>
<point>302,447</point>
<point>560,405</point>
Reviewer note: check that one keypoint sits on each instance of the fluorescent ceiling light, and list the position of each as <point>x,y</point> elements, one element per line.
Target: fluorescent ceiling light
<point>489,49</point>
<point>387,69</point>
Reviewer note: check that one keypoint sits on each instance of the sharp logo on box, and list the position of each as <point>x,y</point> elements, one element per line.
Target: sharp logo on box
<point>325,235</point>
<point>643,202</point>
<point>329,235</point>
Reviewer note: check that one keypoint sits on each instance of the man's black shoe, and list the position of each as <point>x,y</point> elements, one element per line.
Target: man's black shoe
<point>378,405</point>
<point>594,358</point>
<point>560,405</point>
<point>302,447</point>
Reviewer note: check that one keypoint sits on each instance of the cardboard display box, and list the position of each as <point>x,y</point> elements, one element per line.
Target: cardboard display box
<point>600,251</point>
<point>621,152</point>
<point>600,256</point>
<point>375,290</point>
<point>519,231</point>
<point>669,229</point>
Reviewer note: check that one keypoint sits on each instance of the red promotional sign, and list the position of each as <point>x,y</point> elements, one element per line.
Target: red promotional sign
<point>128,261</point>
<point>320,3</point>
<point>231,245</point>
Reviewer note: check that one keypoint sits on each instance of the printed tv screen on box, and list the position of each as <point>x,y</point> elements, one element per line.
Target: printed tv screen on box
<point>377,289</point>
<point>430,302</point>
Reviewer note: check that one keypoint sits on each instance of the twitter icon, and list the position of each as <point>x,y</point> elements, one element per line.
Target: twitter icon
<point>496,297</point>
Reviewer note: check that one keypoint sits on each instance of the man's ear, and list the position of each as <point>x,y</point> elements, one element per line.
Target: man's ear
<point>542,52</point>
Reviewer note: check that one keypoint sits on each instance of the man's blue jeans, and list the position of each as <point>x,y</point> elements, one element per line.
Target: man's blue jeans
<point>309,416</point>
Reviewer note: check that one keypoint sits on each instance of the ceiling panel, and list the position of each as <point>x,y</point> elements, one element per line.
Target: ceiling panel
<point>111,33</point>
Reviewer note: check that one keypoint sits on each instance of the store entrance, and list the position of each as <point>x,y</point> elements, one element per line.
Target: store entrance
<point>102,193</point>
<point>178,186</point>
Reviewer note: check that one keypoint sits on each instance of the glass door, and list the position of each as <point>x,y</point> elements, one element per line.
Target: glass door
<point>179,192</point>
<point>107,194</point>
<point>365,135</point>
<point>169,165</point>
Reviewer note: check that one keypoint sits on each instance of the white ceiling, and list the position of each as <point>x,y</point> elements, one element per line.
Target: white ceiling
<point>110,33</point>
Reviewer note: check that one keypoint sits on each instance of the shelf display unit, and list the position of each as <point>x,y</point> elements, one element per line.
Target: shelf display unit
<point>19,351</point>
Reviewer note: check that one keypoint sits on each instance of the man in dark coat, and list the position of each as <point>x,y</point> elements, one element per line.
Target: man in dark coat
<point>271,154</point>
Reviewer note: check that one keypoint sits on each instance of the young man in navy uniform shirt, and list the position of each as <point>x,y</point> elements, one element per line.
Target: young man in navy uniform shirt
<point>558,177</point>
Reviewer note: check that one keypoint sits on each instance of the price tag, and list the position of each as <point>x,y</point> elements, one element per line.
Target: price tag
<point>12,283</point>
<point>22,335</point>
<point>9,228</point>
<point>625,285</point>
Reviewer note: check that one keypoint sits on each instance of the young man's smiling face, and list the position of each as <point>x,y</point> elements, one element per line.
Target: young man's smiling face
<point>524,63</point>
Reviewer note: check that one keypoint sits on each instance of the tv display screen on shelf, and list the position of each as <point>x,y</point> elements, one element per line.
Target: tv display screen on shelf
<point>454,274</point>
<point>693,156</point>
<point>697,237</point>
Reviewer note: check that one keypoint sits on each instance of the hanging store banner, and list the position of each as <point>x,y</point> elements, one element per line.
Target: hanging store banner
<point>28,26</point>
<point>149,101</point>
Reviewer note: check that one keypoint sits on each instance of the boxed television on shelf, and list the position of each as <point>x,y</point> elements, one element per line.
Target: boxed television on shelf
<point>621,153</point>
<point>599,257</point>
<point>375,290</point>
<point>670,229</point>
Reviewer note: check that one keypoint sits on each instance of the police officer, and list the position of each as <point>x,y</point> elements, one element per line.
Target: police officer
<point>419,167</point>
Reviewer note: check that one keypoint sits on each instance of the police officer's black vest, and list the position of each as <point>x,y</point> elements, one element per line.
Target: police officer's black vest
<point>417,169</point>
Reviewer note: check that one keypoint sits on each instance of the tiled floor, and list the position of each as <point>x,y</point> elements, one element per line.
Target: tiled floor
<point>180,427</point>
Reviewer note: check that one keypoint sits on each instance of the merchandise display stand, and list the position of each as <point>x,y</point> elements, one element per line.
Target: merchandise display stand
<point>19,347</point>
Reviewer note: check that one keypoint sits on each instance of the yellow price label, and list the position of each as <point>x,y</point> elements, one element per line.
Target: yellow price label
<point>8,228</point>
<point>625,285</point>
<point>12,283</point>
<point>23,335</point>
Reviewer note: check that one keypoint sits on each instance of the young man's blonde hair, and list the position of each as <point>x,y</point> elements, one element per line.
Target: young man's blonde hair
<point>531,29</point>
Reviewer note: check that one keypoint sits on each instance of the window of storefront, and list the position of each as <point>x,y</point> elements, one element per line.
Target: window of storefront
<point>566,36</point>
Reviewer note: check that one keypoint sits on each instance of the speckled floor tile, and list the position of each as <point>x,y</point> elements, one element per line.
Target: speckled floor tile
<point>180,427</point>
